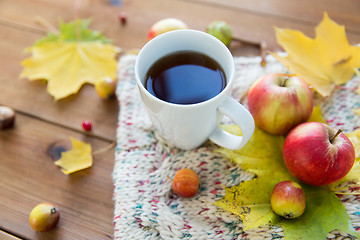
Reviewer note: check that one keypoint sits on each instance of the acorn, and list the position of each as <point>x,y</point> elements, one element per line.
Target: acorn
<point>7,117</point>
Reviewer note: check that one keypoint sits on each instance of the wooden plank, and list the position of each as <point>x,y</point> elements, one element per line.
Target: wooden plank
<point>6,236</point>
<point>246,25</point>
<point>306,12</point>
<point>141,15</point>
<point>32,98</point>
<point>29,177</point>
<point>251,20</point>
<point>22,13</point>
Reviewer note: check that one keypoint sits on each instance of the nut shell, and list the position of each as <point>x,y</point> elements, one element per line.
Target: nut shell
<point>7,117</point>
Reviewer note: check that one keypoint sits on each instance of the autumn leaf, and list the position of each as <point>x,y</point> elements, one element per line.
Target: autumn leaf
<point>68,59</point>
<point>355,140</point>
<point>357,111</point>
<point>250,200</point>
<point>323,62</point>
<point>78,158</point>
<point>324,212</point>
<point>358,90</point>
<point>317,116</point>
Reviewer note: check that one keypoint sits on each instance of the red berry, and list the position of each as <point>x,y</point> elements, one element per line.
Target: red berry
<point>123,18</point>
<point>185,183</point>
<point>86,125</point>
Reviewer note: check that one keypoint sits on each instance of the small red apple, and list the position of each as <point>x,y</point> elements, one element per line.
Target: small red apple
<point>318,154</point>
<point>44,217</point>
<point>278,102</point>
<point>165,25</point>
<point>288,199</point>
<point>220,30</point>
<point>106,87</point>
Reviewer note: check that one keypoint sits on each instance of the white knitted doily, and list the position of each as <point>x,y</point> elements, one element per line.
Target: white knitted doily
<point>146,208</point>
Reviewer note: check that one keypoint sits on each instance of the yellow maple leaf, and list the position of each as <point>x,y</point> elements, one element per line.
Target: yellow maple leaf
<point>355,140</point>
<point>68,65</point>
<point>357,111</point>
<point>317,116</point>
<point>78,158</point>
<point>323,62</point>
<point>71,57</point>
<point>358,90</point>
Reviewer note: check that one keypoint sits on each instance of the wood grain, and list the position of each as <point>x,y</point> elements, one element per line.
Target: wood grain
<point>29,177</point>
<point>300,11</point>
<point>32,98</point>
<point>43,127</point>
<point>6,236</point>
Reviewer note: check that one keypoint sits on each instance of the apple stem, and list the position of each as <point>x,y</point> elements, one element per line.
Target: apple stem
<point>285,79</point>
<point>336,134</point>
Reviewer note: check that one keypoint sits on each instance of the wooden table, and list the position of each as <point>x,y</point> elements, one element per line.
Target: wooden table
<point>28,175</point>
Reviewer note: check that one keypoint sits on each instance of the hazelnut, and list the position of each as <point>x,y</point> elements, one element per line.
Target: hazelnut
<point>7,117</point>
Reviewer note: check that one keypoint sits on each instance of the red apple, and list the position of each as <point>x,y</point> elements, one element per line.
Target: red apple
<point>288,199</point>
<point>165,25</point>
<point>278,102</point>
<point>318,154</point>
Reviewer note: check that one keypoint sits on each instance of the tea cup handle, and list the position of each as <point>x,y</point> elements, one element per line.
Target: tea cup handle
<point>241,117</point>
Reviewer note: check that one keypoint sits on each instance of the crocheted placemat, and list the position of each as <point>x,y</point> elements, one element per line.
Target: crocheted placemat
<point>146,208</point>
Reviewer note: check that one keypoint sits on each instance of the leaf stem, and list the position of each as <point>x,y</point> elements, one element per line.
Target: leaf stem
<point>262,45</point>
<point>76,16</point>
<point>104,148</point>
<point>347,193</point>
<point>43,22</point>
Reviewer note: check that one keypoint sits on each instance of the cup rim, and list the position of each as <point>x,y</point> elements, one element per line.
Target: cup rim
<point>229,79</point>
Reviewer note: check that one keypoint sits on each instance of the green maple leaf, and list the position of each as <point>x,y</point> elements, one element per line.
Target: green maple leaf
<point>250,200</point>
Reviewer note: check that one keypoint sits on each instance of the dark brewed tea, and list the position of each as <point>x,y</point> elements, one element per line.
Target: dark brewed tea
<point>185,77</point>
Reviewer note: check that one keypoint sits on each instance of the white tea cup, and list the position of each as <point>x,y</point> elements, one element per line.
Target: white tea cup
<point>187,126</point>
